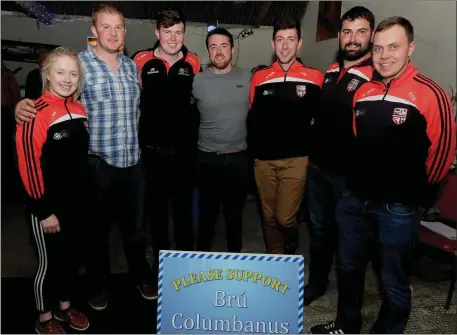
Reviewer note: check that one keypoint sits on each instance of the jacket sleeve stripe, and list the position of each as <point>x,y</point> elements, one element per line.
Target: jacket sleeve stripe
<point>23,153</point>
<point>33,144</point>
<point>441,155</point>
<point>445,155</point>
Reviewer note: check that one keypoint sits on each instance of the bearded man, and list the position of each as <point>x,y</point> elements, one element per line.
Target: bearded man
<point>222,96</point>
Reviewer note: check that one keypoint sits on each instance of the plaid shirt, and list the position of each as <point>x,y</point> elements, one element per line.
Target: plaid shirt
<point>112,104</point>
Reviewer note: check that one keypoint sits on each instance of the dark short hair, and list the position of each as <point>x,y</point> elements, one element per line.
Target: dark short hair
<point>169,17</point>
<point>400,21</point>
<point>286,23</point>
<point>220,31</point>
<point>358,12</point>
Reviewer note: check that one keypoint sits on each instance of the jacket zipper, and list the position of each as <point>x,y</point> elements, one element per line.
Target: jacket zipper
<point>387,89</point>
<point>68,111</point>
<point>285,72</point>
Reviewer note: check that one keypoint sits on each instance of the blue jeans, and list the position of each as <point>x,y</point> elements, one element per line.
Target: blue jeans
<point>393,228</point>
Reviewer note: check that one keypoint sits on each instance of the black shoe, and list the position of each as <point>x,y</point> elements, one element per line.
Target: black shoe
<point>148,290</point>
<point>98,301</point>
<point>311,294</point>
<point>328,328</point>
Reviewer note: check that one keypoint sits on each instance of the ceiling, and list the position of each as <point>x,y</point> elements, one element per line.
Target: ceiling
<point>251,13</point>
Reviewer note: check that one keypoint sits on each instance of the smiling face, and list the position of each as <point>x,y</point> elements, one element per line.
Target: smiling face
<point>391,52</point>
<point>220,51</point>
<point>110,31</point>
<point>171,38</point>
<point>286,44</point>
<point>354,37</point>
<point>63,76</point>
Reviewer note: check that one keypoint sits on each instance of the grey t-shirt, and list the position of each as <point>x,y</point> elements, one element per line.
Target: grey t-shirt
<point>223,102</point>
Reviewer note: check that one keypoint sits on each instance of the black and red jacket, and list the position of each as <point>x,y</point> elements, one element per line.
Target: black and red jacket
<point>52,156</point>
<point>405,139</point>
<point>167,116</point>
<point>282,106</point>
<point>333,136</point>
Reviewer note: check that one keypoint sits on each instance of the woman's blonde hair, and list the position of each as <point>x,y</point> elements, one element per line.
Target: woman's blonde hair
<point>51,58</point>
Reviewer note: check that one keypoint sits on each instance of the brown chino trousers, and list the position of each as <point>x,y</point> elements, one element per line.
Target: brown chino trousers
<point>281,186</point>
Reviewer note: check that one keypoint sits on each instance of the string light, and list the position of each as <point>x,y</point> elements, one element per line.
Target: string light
<point>37,11</point>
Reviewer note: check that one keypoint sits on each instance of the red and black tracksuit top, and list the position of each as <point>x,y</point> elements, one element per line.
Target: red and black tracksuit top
<point>52,156</point>
<point>333,137</point>
<point>168,118</point>
<point>405,139</point>
<point>282,106</point>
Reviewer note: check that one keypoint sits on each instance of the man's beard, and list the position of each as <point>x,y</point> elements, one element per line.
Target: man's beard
<point>222,63</point>
<point>353,54</point>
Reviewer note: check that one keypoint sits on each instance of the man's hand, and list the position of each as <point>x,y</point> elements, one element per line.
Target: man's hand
<point>51,225</point>
<point>24,111</point>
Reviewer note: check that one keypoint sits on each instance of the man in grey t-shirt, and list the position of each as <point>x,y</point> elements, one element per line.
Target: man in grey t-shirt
<point>222,94</point>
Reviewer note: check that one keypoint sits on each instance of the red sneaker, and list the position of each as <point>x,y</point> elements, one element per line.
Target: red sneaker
<point>73,318</point>
<point>52,326</point>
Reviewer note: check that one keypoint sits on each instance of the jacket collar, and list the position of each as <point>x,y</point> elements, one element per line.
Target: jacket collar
<point>295,65</point>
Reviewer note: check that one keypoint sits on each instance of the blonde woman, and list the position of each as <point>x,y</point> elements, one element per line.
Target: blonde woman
<point>52,158</point>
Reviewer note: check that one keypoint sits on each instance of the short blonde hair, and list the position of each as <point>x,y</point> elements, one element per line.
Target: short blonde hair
<point>107,9</point>
<point>51,58</point>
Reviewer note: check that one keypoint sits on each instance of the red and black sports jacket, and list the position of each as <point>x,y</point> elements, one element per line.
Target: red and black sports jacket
<point>405,139</point>
<point>282,105</point>
<point>52,156</point>
<point>167,117</point>
<point>333,137</point>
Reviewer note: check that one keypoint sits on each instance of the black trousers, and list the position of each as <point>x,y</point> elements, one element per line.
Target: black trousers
<point>118,197</point>
<point>58,260</point>
<point>169,176</point>
<point>222,180</point>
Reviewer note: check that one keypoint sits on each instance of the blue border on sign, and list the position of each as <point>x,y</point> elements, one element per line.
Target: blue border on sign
<point>230,256</point>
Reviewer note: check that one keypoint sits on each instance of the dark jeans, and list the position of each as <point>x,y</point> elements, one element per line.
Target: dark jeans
<point>391,227</point>
<point>323,190</point>
<point>322,193</point>
<point>169,176</point>
<point>119,197</point>
<point>222,179</point>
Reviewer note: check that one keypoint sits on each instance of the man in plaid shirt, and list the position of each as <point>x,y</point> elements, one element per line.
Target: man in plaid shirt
<point>111,97</point>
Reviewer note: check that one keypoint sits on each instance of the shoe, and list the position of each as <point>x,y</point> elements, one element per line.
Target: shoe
<point>148,290</point>
<point>328,328</point>
<point>98,301</point>
<point>52,326</point>
<point>311,294</point>
<point>74,318</point>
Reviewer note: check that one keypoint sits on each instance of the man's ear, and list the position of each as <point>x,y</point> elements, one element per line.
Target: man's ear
<point>94,31</point>
<point>411,48</point>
